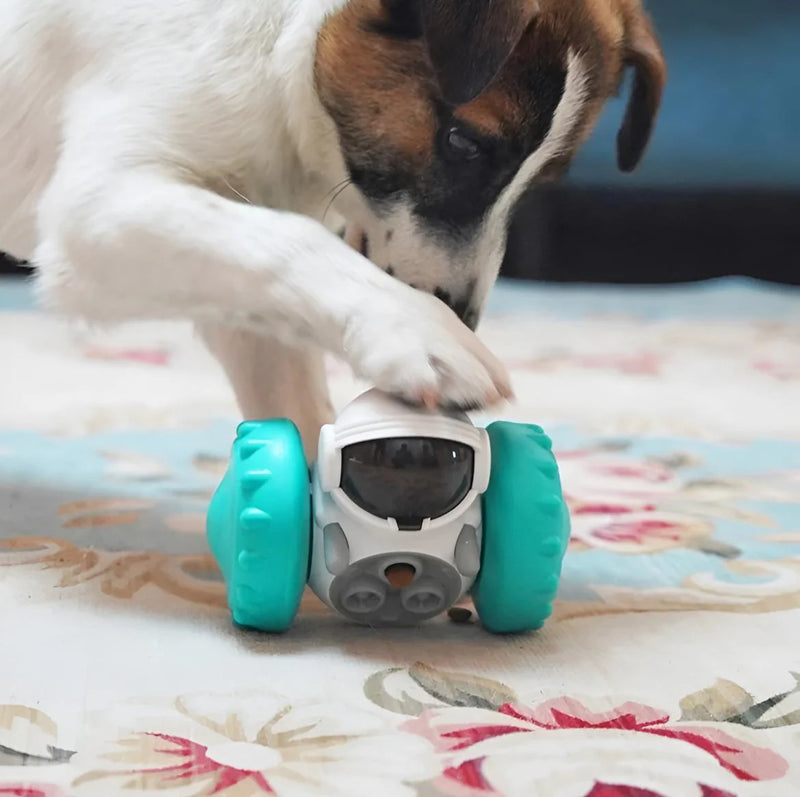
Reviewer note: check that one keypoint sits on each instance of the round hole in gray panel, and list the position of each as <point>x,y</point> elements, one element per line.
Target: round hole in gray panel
<point>424,597</point>
<point>436,587</point>
<point>363,595</point>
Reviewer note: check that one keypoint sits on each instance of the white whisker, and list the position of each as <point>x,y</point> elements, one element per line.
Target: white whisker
<point>238,193</point>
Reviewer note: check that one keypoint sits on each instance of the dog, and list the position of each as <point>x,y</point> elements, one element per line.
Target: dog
<point>195,159</point>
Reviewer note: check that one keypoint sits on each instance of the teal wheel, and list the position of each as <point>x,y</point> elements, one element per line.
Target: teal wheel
<point>525,531</point>
<point>259,525</point>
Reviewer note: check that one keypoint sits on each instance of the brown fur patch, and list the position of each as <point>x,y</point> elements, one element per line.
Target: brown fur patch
<point>381,91</point>
<point>377,88</point>
<point>384,87</point>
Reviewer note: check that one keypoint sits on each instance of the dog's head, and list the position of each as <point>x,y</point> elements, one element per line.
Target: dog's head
<point>447,110</point>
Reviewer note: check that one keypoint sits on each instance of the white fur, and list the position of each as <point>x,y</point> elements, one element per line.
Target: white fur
<point>172,160</point>
<point>565,120</point>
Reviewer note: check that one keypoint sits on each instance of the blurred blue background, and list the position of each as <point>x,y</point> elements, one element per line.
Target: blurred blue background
<point>731,112</point>
<point>718,191</point>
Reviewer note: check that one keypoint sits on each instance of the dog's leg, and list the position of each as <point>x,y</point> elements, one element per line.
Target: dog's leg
<point>273,380</point>
<point>122,241</point>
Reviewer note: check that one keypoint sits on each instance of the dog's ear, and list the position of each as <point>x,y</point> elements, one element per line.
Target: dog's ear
<point>642,53</point>
<point>469,41</point>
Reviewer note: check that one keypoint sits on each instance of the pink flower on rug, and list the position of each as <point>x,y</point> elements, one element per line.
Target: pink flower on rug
<point>190,762</point>
<point>159,357</point>
<point>30,790</point>
<point>643,363</point>
<point>744,761</point>
<point>619,481</point>
<point>639,532</point>
<point>249,745</point>
<point>609,790</point>
<point>781,370</point>
<point>497,752</point>
<point>629,506</point>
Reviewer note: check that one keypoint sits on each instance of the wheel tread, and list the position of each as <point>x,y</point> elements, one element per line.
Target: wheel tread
<point>259,525</point>
<point>526,531</point>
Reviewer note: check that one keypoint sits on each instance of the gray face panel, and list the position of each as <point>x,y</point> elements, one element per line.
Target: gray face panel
<point>468,552</point>
<point>363,593</point>
<point>336,549</point>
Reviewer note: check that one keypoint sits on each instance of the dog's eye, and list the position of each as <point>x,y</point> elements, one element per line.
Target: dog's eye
<point>402,20</point>
<point>460,147</point>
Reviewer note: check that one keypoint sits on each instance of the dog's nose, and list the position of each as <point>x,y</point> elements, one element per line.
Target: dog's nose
<point>462,306</point>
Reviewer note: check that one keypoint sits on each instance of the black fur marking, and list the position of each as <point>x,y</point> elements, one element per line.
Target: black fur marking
<point>470,319</point>
<point>442,295</point>
<point>403,20</point>
<point>454,195</point>
<point>461,307</point>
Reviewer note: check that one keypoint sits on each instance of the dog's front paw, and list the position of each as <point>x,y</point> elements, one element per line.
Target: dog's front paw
<point>417,348</point>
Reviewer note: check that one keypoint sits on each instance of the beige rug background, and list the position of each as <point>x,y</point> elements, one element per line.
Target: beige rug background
<point>667,670</point>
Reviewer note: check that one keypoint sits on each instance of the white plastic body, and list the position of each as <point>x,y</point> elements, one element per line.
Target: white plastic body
<point>375,416</point>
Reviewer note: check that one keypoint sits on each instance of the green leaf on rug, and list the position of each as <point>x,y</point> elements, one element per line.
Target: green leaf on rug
<point>729,702</point>
<point>377,691</point>
<point>774,712</point>
<point>16,758</point>
<point>718,703</point>
<point>456,689</point>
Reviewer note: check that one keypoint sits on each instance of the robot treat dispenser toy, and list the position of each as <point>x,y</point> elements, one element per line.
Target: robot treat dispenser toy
<point>405,512</point>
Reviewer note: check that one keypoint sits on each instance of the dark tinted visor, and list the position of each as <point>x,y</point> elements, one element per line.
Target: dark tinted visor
<point>407,478</point>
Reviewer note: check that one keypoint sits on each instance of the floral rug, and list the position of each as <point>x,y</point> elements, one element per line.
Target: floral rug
<point>671,667</point>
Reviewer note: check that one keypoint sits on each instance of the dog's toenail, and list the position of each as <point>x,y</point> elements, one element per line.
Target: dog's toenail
<point>429,399</point>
